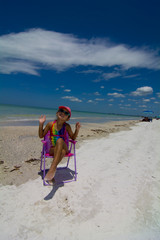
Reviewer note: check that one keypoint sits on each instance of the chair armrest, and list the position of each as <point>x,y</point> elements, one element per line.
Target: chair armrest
<point>72,141</point>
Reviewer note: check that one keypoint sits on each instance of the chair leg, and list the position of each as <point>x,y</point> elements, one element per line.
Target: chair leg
<point>75,164</point>
<point>68,162</point>
<point>44,169</point>
<point>41,165</point>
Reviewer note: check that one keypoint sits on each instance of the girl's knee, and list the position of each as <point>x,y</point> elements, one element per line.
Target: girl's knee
<point>60,141</point>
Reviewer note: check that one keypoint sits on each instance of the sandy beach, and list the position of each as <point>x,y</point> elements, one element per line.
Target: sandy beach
<point>116,196</point>
<point>20,148</point>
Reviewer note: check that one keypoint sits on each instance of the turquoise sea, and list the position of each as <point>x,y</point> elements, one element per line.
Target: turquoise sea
<point>11,115</point>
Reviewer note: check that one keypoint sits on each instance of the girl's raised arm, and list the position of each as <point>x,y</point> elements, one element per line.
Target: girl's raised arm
<point>43,132</point>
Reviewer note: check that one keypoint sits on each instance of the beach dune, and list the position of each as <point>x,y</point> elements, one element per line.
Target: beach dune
<point>115,197</point>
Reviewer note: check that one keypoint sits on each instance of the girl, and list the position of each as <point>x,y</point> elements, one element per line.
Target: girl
<point>57,130</point>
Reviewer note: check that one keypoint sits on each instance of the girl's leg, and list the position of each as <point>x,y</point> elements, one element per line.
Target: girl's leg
<point>59,152</point>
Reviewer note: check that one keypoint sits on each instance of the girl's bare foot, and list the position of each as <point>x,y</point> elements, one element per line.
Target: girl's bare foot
<point>50,175</point>
<point>51,182</point>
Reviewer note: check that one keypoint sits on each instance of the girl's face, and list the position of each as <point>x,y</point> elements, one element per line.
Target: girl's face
<point>63,114</point>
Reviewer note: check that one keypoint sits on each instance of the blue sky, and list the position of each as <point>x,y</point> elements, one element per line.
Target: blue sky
<point>101,56</point>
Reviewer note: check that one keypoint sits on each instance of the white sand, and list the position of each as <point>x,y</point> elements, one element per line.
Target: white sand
<point>117,195</point>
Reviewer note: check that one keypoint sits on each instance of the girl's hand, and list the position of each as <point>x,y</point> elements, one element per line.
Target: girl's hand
<point>42,119</point>
<point>78,125</point>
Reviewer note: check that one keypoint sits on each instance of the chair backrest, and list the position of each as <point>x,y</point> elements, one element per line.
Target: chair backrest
<point>48,140</point>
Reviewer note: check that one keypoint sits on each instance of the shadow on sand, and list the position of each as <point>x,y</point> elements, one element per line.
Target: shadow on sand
<point>62,174</point>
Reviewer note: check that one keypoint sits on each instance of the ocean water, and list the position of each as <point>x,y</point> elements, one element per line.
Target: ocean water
<point>11,115</point>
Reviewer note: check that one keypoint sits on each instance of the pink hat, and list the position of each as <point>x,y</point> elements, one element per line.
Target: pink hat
<point>67,108</point>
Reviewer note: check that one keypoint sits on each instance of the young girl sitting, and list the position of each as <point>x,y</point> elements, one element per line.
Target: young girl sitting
<point>57,129</point>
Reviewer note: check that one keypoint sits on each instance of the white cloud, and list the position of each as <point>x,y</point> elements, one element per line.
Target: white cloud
<point>158,94</point>
<point>143,106</point>
<point>102,87</point>
<point>146,100</point>
<point>72,99</point>
<point>131,76</point>
<point>99,99</point>
<point>90,101</point>
<point>115,89</point>
<point>97,93</point>
<point>142,91</point>
<point>108,76</point>
<point>12,66</point>
<point>36,49</point>
<point>90,71</point>
<point>116,95</point>
<point>133,100</point>
<point>67,90</point>
<point>127,105</point>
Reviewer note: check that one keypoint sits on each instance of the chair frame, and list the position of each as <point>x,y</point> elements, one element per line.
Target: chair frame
<point>45,155</point>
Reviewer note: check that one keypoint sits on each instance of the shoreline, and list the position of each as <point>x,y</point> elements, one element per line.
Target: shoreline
<point>21,148</point>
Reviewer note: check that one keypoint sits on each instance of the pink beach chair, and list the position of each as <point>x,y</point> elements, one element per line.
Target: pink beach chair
<point>69,174</point>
